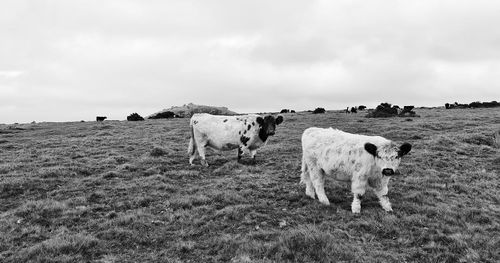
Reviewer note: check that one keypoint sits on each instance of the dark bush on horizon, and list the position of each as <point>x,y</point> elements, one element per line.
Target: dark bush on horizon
<point>164,115</point>
<point>319,110</point>
<point>134,117</point>
<point>478,104</point>
<point>386,110</point>
<point>475,104</point>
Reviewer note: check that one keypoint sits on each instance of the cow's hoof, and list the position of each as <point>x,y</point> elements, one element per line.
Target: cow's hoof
<point>325,202</point>
<point>387,209</point>
<point>310,194</point>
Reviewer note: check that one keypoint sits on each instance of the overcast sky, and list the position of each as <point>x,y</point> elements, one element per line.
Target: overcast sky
<point>72,60</point>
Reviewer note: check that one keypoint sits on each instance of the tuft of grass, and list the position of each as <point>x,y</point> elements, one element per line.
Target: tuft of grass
<point>496,139</point>
<point>65,247</point>
<point>53,172</point>
<point>187,202</point>
<point>158,152</point>
<point>305,243</point>
<point>41,212</point>
<point>479,139</point>
<point>110,175</point>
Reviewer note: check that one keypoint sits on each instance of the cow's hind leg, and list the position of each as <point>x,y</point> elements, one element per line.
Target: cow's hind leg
<point>306,179</point>
<point>201,152</point>
<point>253,153</point>
<point>240,152</point>
<point>192,151</point>
<point>318,181</point>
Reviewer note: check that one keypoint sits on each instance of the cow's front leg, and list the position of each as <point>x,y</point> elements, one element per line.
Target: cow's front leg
<point>381,194</point>
<point>385,203</point>
<point>358,188</point>
<point>356,204</point>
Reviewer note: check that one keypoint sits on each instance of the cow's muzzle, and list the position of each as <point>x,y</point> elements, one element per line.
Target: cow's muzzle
<point>270,133</point>
<point>388,172</point>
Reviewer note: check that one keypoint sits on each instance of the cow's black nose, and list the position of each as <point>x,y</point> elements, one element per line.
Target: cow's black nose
<point>271,133</point>
<point>388,171</point>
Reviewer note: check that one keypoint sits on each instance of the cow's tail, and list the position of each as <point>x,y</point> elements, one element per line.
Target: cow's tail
<point>192,142</point>
<point>303,170</point>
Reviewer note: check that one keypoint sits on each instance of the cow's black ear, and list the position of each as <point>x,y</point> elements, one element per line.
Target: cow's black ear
<point>371,148</point>
<point>404,149</point>
<point>260,121</point>
<point>279,120</point>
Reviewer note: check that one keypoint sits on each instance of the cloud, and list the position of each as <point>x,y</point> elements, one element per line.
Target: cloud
<point>71,60</point>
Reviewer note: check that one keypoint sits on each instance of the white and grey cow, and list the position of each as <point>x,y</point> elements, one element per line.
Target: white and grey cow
<point>359,159</point>
<point>243,132</point>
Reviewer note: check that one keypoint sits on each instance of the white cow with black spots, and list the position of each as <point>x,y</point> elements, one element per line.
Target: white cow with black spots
<point>359,159</point>
<point>243,132</point>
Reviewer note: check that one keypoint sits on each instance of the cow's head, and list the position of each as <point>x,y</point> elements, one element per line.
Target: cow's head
<point>268,125</point>
<point>387,157</point>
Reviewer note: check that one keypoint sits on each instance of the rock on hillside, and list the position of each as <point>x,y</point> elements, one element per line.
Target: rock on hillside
<point>187,110</point>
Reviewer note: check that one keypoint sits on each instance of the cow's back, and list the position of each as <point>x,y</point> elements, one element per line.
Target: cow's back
<point>221,132</point>
<point>338,150</point>
<point>329,137</point>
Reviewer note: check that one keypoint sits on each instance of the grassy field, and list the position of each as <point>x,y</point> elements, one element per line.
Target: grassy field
<point>122,191</point>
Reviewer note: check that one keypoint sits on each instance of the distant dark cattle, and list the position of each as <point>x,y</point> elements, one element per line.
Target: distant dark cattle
<point>407,111</point>
<point>347,110</point>
<point>408,108</point>
<point>319,110</point>
<point>100,118</point>
<point>361,107</point>
<point>135,117</point>
<point>287,111</point>
<point>354,110</point>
